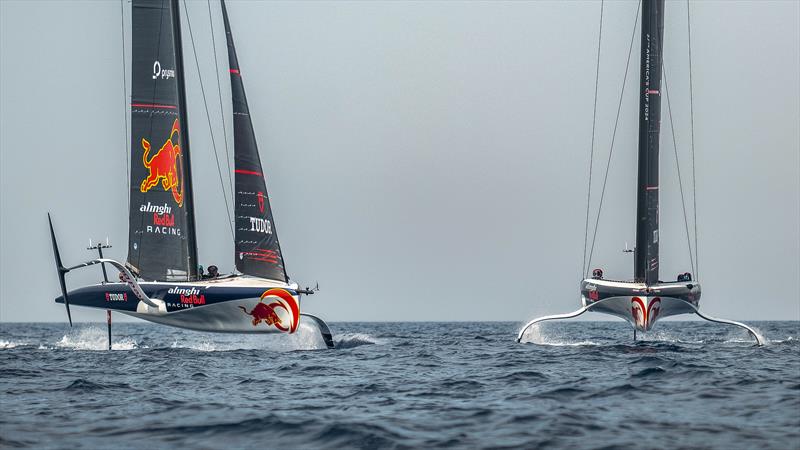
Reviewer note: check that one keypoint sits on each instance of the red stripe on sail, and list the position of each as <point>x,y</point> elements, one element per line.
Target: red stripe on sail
<point>247,172</point>
<point>236,71</point>
<point>258,258</point>
<point>154,105</point>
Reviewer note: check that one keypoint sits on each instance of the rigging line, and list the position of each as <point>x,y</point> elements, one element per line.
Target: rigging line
<point>677,165</point>
<point>125,101</point>
<point>585,269</point>
<point>691,127</point>
<point>208,117</point>
<point>614,134</point>
<point>219,91</point>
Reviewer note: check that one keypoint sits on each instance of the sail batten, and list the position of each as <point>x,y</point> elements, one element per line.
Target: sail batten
<point>161,244</point>
<point>647,259</point>
<point>258,251</point>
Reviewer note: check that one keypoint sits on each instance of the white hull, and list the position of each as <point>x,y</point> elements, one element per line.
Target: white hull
<point>638,304</point>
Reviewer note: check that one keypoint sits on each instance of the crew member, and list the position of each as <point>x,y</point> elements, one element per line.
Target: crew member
<point>213,272</point>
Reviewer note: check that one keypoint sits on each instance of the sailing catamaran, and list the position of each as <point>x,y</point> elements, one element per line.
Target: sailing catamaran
<point>646,299</point>
<point>161,281</point>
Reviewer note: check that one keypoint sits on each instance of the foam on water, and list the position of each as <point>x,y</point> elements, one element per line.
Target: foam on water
<point>736,335</point>
<point>93,338</point>
<point>307,337</point>
<point>535,334</point>
<point>669,336</point>
<point>350,340</point>
<point>8,344</point>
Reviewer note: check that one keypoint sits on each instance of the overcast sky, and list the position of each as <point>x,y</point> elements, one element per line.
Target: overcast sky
<point>426,161</point>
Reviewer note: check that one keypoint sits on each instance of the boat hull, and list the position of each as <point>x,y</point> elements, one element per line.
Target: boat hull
<point>234,305</point>
<point>640,305</point>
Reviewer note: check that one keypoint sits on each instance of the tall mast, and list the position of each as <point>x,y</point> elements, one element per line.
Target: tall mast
<point>191,259</point>
<point>161,239</point>
<point>646,264</point>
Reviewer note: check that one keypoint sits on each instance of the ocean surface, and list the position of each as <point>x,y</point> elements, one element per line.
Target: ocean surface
<point>401,385</point>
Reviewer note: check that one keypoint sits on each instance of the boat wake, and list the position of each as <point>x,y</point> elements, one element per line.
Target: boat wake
<point>8,344</point>
<point>668,337</point>
<point>351,340</point>
<point>738,336</point>
<point>95,338</point>
<point>307,337</point>
<point>92,338</point>
<point>536,335</point>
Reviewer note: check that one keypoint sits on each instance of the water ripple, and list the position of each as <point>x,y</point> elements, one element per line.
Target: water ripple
<point>401,385</point>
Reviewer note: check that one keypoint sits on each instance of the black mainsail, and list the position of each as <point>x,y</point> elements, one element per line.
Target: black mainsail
<point>162,243</point>
<point>646,265</point>
<point>258,252</point>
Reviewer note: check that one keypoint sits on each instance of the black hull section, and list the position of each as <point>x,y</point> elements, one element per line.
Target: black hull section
<point>199,306</point>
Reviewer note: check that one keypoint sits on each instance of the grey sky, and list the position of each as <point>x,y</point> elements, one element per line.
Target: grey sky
<point>426,161</point>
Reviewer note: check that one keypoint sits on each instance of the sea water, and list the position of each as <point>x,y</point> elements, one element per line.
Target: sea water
<point>401,385</point>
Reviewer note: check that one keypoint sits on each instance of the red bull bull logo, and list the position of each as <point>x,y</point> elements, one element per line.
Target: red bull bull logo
<point>163,166</point>
<point>278,308</point>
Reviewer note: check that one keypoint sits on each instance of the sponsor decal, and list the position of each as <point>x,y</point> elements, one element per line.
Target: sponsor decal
<point>261,202</point>
<point>157,209</point>
<point>116,297</point>
<point>163,166</point>
<point>645,315</point>
<point>260,225</point>
<point>162,218</point>
<point>163,230</point>
<point>189,296</point>
<point>260,254</point>
<point>167,220</point>
<point>161,73</point>
<point>593,294</point>
<point>276,307</point>
<point>647,80</point>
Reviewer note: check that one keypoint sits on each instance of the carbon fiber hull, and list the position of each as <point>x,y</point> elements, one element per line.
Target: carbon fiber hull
<point>233,305</point>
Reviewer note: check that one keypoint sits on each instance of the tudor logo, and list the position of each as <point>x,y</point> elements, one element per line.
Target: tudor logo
<point>163,74</point>
<point>260,225</point>
<point>116,297</point>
